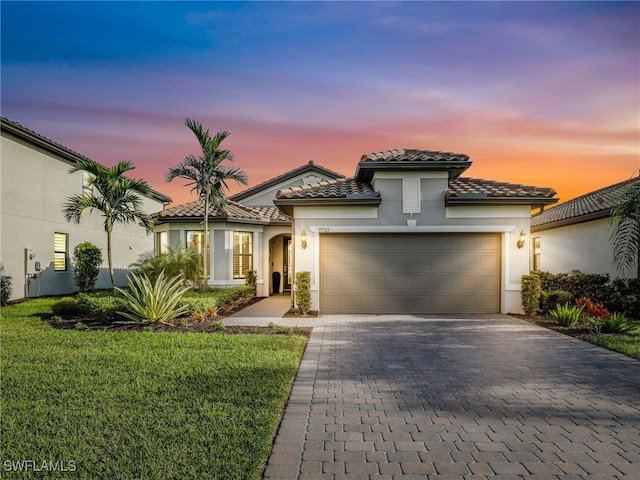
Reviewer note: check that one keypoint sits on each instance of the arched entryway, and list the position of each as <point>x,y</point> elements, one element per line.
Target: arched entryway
<point>280,262</point>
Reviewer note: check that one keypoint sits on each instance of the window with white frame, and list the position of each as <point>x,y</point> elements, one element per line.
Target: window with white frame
<point>195,241</point>
<point>242,254</point>
<point>536,253</point>
<point>60,251</point>
<point>162,242</point>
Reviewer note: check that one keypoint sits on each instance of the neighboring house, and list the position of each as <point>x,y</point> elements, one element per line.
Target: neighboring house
<point>36,242</point>
<point>574,236</point>
<point>406,234</point>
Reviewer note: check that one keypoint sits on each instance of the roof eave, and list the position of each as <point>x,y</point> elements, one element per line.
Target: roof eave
<point>590,217</point>
<point>199,219</point>
<point>286,205</point>
<point>534,202</point>
<point>366,168</point>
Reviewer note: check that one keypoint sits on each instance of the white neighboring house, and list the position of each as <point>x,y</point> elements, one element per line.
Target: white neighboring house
<point>36,242</point>
<point>574,236</point>
<point>406,234</point>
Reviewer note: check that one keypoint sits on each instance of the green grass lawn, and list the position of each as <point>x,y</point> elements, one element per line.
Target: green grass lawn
<point>127,405</point>
<point>628,345</point>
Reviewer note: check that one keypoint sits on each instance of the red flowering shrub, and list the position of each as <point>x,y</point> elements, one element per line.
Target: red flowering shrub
<point>593,309</point>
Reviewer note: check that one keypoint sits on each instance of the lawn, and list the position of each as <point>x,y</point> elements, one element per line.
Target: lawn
<point>628,345</point>
<point>139,404</point>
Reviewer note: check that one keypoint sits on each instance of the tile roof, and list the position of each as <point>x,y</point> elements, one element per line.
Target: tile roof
<point>401,159</point>
<point>36,138</point>
<point>413,155</point>
<point>309,167</point>
<point>590,206</point>
<point>234,211</point>
<point>342,188</point>
<point>479,187</point>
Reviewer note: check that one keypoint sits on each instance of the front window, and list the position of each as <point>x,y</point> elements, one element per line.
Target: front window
<point>242,254</point>
<point>536,253</point>
<point>60,251</point>
<point>196,241</point>
<point>162,242</point>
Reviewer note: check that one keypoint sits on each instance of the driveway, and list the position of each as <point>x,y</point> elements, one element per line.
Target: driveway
<point>384,397</point>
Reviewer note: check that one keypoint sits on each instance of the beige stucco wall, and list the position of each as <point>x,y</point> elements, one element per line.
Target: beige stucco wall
<point>434,217</point>
<point>583,247</point>
<point>34,185</point>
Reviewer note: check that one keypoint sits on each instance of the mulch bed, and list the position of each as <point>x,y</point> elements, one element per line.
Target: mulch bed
<point>182,324</point>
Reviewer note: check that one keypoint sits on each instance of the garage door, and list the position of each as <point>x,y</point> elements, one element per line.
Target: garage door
<point>410,273</point>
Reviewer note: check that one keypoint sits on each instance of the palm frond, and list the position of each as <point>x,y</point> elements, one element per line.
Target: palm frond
<point>625,228</point>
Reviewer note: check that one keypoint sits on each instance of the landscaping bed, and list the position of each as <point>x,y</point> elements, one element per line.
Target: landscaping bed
<point>628,345</point>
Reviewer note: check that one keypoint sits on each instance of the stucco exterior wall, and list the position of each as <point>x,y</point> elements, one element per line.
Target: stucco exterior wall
<point>221,258</point>
<point>433,217</point>
<point>583,247</point>
<point>34,187</point>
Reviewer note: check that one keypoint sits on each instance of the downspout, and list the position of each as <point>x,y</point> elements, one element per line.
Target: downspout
<point>292,267</point>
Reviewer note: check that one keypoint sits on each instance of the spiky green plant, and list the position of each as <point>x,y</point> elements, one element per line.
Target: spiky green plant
<point>566,315</point>
<point>154,302</point>
<point>619,323</point>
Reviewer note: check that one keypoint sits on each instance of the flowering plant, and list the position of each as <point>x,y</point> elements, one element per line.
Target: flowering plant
<point>593,309</point>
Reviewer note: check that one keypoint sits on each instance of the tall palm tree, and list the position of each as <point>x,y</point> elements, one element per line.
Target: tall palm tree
<point>114,196</point>
<point>207,176</point>
<point>625,228</point>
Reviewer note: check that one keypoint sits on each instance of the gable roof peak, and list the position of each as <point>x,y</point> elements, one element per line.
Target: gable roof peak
<point>411,159</point>
<point>310,166</point>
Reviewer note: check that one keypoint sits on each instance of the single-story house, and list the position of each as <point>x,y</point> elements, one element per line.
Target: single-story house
<point>574,236</point>
<point>406,234</point>
<point>36,242</point>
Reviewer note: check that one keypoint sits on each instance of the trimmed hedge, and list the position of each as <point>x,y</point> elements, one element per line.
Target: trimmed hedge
<point>618,295</point>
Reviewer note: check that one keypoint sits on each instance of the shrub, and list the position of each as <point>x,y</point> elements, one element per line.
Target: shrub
<point>625,297</point>
<point>550,300</point>
<point>619,295</point>
<point>66,307</point>
<point>202,301</point>
<point>619,323</point>
<point>6,289</point>
<point>303,291</point>
<point>531,292</point>
<point>87,259</point>
<point>154,301</point>
<point>251,280</point>
<point>103,308</point>
<point>593,309</point>
<point>174,261</point>
<point>566,315</point>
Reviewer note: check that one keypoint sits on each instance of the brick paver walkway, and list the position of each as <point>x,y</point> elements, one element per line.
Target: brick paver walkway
<point>385,397</point>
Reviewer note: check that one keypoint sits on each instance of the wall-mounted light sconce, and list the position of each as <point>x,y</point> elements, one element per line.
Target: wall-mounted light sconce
<point>521,239</point>
<point>303,239</point>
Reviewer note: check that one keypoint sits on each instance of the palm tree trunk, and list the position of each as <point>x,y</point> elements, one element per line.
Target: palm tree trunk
<point>110,260</point>
<point>205,241</point>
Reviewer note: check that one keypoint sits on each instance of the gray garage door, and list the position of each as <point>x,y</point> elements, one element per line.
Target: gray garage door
<point>410,273</point>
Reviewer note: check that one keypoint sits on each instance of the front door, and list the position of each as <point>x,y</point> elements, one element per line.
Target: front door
<point>286,258</point>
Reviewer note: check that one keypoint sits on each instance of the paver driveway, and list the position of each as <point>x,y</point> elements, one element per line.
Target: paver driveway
<point>406,397</point>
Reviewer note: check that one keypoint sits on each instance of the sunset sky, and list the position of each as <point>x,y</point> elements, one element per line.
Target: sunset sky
<point>537,93</point>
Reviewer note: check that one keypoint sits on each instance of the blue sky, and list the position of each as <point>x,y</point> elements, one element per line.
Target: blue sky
<point>543,93</point>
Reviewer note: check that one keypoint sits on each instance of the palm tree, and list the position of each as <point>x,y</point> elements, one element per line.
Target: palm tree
<point>625,228</point>
<point>207,176</point>
<point>114,196</point>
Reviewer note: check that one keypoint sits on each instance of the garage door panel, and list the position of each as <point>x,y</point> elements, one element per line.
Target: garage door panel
<point>415,273</point>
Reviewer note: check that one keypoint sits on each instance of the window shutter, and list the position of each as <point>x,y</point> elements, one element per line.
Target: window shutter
<point>410,195</point>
